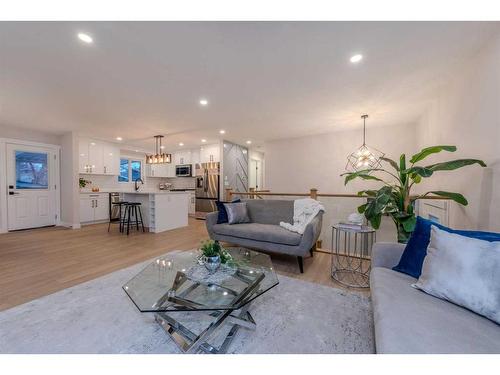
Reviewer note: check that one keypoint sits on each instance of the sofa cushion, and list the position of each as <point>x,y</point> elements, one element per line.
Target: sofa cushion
<point>416,249</point>
<point>464,271</point>
<point>259,232</point>
<point>222,213</point>
<point>409,321</point>
<point>268,211</point>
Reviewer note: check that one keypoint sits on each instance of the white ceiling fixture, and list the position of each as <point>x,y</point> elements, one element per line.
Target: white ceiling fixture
<point>203,102</point>
<point>356,58</point>
<point>249,142</point>
<point>203,140</point>
<point>162,147</point>
<point>222,131</point>
<point>86,38</point>
<point>119,138</point>
<point>181,144</point>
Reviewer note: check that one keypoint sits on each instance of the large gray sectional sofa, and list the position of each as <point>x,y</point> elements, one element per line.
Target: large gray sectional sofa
<point>408,320</point>
<point>264,232</point>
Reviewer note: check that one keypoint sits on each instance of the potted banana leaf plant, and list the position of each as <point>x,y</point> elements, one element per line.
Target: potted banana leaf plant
<point>394,197</point>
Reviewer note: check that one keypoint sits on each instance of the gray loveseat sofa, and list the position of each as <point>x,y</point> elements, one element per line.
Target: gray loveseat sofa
<point>264,233</point>
<point>408,320</point>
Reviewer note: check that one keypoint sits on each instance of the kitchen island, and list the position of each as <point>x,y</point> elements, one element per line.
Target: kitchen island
<point>163,210</point>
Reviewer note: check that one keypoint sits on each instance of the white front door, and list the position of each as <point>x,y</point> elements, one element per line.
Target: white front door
<point>31,189</point>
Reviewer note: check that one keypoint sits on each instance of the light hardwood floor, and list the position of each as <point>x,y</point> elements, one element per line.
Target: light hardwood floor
<point>39,262</point>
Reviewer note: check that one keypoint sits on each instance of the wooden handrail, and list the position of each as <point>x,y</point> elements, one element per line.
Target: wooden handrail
<point>314,194</point>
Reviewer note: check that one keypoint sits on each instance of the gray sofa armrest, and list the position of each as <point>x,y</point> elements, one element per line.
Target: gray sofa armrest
<point>311,233</point>
<point>210,221</point>
<point>386,254</point>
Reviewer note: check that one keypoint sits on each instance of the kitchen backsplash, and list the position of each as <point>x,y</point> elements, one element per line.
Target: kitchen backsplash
<point>182,182</point>
<point>111,183</point>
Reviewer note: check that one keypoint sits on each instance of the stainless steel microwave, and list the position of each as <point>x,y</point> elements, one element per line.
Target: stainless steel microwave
<point>184,170</point>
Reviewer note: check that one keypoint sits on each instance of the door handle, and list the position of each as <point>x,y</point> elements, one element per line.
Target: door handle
<point>13,193</point>
<point>96,201</point>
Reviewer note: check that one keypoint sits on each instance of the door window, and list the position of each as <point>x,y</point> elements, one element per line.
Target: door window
<point>31,170</point>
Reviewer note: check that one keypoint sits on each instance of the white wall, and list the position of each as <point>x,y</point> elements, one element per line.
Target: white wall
<point>29,135</point>
<point>299,164</point>
<point>70,204</point>
<point>466,113</point>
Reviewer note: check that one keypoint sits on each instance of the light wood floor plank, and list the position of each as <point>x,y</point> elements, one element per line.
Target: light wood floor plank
<point>39,262</point>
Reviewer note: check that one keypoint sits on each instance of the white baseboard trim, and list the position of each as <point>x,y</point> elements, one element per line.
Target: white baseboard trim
<point>70,225</point>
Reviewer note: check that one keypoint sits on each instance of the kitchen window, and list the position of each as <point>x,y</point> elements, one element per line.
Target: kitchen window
<point>130,170</point>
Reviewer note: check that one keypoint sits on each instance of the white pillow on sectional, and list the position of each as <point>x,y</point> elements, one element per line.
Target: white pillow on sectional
<point>463,270</point>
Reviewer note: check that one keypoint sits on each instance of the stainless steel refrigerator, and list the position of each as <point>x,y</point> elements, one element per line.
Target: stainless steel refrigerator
<point>207,188</point>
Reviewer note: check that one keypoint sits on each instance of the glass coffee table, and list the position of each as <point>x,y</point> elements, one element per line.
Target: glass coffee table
<point>201,311</point>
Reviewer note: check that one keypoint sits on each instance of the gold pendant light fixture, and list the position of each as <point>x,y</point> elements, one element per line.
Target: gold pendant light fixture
<point>159,157</point>
<point>364,157</point>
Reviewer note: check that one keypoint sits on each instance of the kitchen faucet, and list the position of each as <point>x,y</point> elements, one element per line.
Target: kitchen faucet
<point>136,181</point>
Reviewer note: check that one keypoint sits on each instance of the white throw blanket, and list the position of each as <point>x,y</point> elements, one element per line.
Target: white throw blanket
<point>304,211</point>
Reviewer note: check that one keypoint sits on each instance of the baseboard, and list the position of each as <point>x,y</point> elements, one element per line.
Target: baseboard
<point>70,225</point>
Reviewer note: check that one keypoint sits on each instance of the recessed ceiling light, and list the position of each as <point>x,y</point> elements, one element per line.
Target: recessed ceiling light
<point>356,58</point>
<point>249,142</point>
<point>136,150</point>
<point>119,138</point>
<point>203,140</point>
<point>85,38</point>
<point>222,131</point>
<point>203,102</point>
<point>181,144</point>
<point>162,147</point>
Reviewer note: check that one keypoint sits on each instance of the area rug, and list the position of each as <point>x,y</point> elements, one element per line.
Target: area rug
<point>98,317</point>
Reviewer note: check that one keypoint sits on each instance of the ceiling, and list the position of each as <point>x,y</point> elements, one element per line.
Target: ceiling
<point>263,80</point>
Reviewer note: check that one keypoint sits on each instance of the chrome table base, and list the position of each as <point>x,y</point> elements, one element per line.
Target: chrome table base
<point>189,342</point>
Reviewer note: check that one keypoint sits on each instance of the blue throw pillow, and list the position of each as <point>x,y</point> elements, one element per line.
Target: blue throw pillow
<point>222,217</point>
<point>416,249</point>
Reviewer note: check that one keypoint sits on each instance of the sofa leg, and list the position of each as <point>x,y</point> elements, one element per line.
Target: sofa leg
<point>311,252</point>
<point>301,264</point>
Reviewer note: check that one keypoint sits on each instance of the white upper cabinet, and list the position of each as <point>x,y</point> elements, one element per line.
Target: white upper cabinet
<point>160,170</point>
<point>195,157</point>
<point>98,157</point>
<point>210,153</point>
<point>111,159</point>
<point>83,159</point>
<point>182,157</point>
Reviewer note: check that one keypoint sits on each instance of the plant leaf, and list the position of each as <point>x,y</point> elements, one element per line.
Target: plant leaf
<point>454,164</point>
<point>361,174</point>
<point>429,151</point>
<point>421,171</point>
<point>457,197</point>
<point>391,162</point>
<point>370,193</point>
<point>409,223</point>
<point>362,208</point>
<point>375,221</point>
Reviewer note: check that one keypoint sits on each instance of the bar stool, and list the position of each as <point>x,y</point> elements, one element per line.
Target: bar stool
<point>133,209</point>
<point>120,216</point>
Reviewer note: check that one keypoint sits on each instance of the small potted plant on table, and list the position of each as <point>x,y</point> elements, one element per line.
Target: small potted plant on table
<point>213,254</point>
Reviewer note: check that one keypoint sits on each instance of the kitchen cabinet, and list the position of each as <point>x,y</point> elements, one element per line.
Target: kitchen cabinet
<point>195,157</point>
<point>98,157</point>
<point>94,207</point>
<point>192,203</point>
<point>160,170</point>
<point>210,153</point>
<point>111,159</point>
<point>182,157</point>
